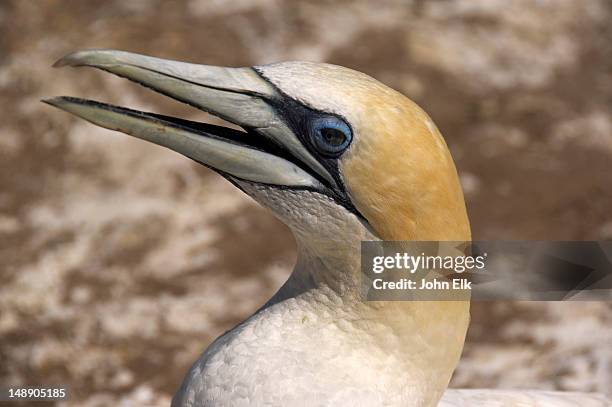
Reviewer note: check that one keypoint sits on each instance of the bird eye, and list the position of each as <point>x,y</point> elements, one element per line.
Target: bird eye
<point>330,136</point>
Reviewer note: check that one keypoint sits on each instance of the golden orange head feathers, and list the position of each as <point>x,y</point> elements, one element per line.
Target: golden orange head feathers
<point>398,171</point>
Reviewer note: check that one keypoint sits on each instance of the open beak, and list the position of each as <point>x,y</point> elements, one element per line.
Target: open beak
<point>267,151</point>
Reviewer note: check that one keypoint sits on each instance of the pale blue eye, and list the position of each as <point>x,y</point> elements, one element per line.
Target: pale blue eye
<point>330,135</point>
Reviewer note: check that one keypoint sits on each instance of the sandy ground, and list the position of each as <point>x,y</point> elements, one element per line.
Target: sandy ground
<point>120,261</point>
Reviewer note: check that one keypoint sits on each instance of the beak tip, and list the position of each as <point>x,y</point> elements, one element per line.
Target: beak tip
<point>59,102</point>
<point>59,63</point>
<point>72,59</point>
<point>88,57</point>
<point>51,101</point>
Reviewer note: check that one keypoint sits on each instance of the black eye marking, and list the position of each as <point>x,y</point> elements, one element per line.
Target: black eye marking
<point>301,119</point>
<point>330,136</point>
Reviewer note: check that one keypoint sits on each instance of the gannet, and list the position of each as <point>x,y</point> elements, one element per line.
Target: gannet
<point>340,158</point>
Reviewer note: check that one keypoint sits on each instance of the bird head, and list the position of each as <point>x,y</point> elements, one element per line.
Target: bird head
<point>325,147</point>
<point>337,156</point>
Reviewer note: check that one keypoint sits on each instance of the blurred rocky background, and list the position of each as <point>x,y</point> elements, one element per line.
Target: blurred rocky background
<point>120,261</point>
